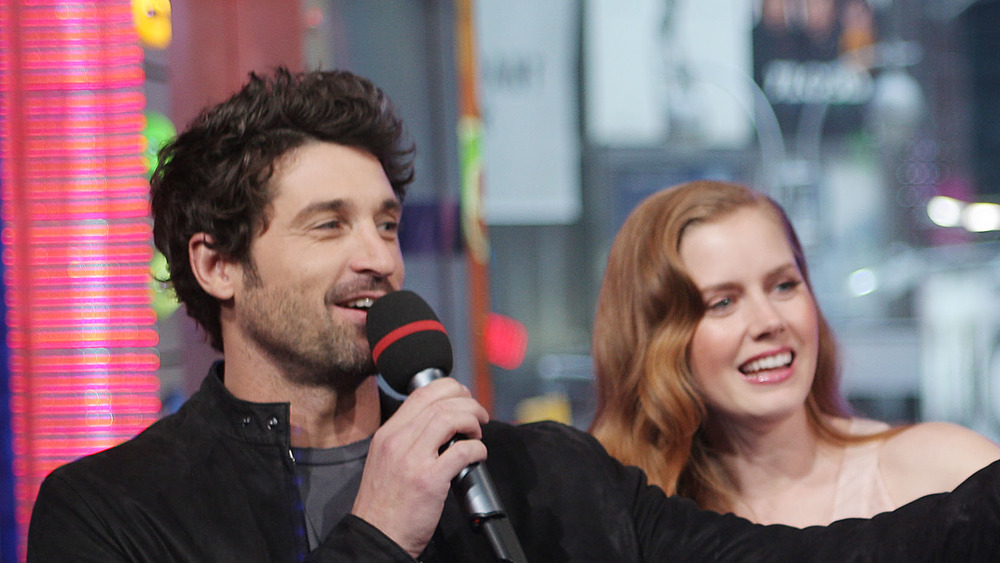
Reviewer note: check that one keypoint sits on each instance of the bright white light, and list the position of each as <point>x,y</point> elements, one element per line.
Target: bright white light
<point>945,211</point>
<point>862,282</point>
<point>981,217</point>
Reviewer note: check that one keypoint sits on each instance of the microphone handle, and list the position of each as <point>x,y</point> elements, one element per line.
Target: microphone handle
<point>502,538</point>
<point>478,497</point>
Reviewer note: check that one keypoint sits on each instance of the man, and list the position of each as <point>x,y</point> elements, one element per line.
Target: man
<point>278,212</point>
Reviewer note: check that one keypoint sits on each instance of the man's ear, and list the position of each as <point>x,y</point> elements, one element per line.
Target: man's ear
<point>215,273</point>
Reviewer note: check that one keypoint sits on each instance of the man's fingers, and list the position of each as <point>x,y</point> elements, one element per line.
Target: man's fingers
<point>460,455</point>
<point>419,438</point>
<point>407,474</point>
<point>441,406</point>
<point>437,390</point>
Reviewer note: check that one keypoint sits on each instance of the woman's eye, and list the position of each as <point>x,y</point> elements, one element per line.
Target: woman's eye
<point>789,285</point>
<point>720,304</point>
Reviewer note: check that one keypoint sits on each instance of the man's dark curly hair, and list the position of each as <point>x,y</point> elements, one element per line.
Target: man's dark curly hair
<point>214,178</point>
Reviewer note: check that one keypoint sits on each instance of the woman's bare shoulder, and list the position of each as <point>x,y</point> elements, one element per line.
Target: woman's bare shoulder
<point>932,457</point>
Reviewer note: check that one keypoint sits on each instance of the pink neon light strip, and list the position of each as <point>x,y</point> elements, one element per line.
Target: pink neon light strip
<point>76,237</point>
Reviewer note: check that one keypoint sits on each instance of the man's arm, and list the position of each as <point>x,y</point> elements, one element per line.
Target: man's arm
<point>64,528</point>
<point>960,526</point>
<point>353,539</point>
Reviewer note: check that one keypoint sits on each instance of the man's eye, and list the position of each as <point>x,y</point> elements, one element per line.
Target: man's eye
<point>389,226</point>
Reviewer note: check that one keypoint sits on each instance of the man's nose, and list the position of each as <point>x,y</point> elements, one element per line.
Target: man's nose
<point>374,253</point>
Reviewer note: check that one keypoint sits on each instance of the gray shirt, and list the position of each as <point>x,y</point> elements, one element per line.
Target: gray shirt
<point>328,483</point>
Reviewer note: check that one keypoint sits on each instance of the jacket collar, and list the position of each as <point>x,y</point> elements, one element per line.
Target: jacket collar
<point>254,423</point>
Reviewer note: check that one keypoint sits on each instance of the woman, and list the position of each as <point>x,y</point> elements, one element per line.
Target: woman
<point>717,374</point>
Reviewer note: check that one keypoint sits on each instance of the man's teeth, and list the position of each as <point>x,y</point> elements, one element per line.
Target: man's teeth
<point>770,362</point>
<point>363,303</point>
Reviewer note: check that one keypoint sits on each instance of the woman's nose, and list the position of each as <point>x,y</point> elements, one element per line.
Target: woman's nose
<point>765,319</point>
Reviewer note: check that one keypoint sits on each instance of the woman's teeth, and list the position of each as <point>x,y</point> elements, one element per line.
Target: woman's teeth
<point>770,362</point>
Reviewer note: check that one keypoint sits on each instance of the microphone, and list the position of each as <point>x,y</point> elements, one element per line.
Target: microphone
<point>411,348</point>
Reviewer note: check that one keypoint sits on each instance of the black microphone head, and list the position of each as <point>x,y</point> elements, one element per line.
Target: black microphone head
<point>406,338</point>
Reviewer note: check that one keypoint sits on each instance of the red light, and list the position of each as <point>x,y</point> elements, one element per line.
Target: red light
<point>506,341</point>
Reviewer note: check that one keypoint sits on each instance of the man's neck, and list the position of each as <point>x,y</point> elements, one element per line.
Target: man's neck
<point>321,417</point>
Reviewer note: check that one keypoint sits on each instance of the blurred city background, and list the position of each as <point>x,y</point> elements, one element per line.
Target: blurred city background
<point>875,123</point>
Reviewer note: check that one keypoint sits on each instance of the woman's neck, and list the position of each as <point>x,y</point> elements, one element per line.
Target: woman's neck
<point>781,470</point>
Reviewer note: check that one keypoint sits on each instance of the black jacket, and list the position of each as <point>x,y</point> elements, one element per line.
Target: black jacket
<point>214,483</point>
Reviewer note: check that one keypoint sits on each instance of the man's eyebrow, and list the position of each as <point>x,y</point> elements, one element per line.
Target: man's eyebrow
<point>389,205</point>
<point>317,207</point>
